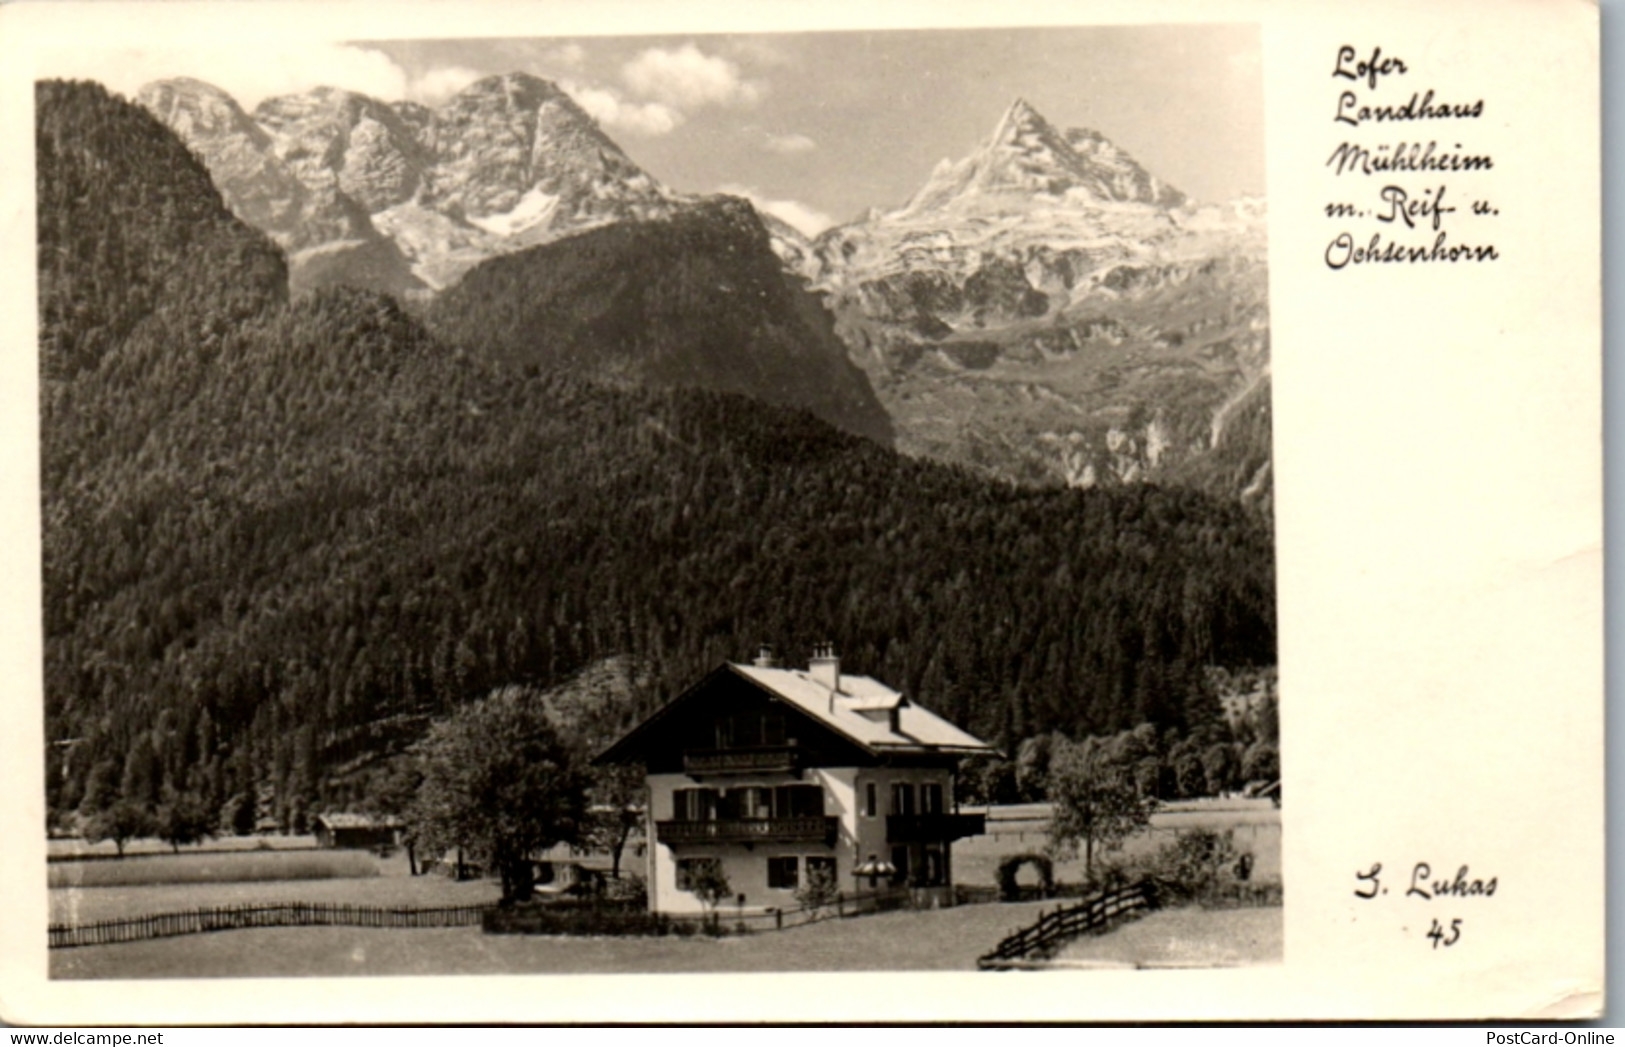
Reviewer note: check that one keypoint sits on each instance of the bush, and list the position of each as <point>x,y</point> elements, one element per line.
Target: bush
<point>819,892</point>
<point>582,919</point>
<point>628,889</point>
<point>1010,890</point>
<point>1199,865</point>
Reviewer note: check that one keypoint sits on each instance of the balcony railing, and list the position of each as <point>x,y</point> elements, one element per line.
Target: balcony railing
<point>811,829</point>
<point>762,760</point>
<point>933,828</point>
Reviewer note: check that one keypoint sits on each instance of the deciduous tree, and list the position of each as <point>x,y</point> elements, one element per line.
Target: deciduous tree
<point>1095,799</point>
<point>184,818</point>
<point>121,823</point>
<point>503,782</point>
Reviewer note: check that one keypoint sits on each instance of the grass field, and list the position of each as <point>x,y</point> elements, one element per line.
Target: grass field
<point>938,940</point>
<point>65,847</point>
<point>1184,938</point>
<point>212,867</point>
<point>111,903</point>
<point>943,939</point>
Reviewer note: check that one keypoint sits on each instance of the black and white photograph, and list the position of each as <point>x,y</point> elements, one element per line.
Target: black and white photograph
<point>701,513</point>
<point>660,504</point>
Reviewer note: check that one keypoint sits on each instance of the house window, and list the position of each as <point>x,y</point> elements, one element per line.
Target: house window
<point>750,730</point>
<point>750,802</point>
<point>902,798</point>
<point>690,870</point>
<point>782,873</point>
<point>798,801</point>
<point>931,798</point>
<point>694,805</point>
<point>871,800</point>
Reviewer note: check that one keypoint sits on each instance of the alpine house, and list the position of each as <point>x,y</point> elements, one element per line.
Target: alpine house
<point>775,776</point>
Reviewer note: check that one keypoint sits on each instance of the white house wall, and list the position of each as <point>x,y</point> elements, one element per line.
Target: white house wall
<point>859,835</point>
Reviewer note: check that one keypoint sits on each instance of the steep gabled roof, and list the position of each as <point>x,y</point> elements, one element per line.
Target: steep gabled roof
<point>861,712</point>
<point>918,730</point>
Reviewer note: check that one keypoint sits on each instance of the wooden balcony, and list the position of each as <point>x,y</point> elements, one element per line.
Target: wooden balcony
<point>774,759</point>
<point>813,829</point>
<point>933,828</point>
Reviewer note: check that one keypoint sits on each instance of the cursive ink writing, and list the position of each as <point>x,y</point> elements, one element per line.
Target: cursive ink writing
<point>1343,251</point>
<point>1350,157</point>
<point>1460,887</point>
<point>1403,208</point>
<point>1420,107</point>
<point>1367,69</point>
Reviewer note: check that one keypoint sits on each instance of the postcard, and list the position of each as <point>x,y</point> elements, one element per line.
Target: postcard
<point>710,513</point>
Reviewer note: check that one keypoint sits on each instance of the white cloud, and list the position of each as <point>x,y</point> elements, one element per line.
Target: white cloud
<point>808,220</point>
<point>440,83</point>
<point>249,82</point>
<point>570,56</point>
<point>788,145</point>
<point>616,113</point>
<point>687,78</point>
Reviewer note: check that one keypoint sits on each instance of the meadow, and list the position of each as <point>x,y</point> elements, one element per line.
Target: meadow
<point>948,939</point>
<point>937,940</point>
<point>212,867</point>
<point>1188,937</point>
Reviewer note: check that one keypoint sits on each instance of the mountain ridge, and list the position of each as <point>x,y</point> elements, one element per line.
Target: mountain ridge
<point>508,162</point>
<point>280,536</point>
<point>1047,310</point>
<point>696,299</point>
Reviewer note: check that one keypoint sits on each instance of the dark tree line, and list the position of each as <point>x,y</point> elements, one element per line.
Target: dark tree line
<point>280,541</point>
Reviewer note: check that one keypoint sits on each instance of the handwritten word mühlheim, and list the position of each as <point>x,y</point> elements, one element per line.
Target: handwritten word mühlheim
<point>1352,158</point>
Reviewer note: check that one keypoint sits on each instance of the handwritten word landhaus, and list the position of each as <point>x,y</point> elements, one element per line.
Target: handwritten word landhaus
<point>781,774</point>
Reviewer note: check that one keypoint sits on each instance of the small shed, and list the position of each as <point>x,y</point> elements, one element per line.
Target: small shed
<point>357,831</point>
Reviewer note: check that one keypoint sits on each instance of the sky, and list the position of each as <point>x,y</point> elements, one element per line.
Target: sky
<point>818,127</point>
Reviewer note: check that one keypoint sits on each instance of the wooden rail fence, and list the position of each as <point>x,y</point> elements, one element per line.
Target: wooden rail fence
<point>291,914</point>
<point>1055,929</point>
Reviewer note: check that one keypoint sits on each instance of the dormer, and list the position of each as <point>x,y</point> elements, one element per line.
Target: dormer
<point>884,707</point>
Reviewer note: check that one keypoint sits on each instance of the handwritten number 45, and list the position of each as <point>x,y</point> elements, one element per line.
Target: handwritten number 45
<point>1445,936</point>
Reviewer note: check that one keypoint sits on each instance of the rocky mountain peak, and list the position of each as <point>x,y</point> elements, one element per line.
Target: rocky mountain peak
<point>1117,173</point>
<point>241,155</point>
<point>1021,122</point>
<point>517,151</point>
<point>1028,157</point>
<point>338,139</point>
<point>193,108</point>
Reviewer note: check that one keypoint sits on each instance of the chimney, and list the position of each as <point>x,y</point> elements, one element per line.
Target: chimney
<point>825,667</point>
<point>764,657</point>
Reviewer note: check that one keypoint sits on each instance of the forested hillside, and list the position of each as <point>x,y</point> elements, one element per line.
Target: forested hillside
<point>694,300</point>
<point>128,219</point>
<point>278,542</point>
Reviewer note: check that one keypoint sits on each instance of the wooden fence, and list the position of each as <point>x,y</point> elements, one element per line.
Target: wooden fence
<point>292,914</point>
<point>1055,929</point>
